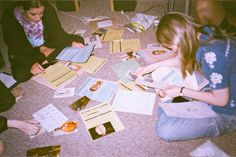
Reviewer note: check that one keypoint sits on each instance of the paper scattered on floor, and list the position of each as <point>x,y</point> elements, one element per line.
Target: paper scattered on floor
<point>50,117</point>
<point>134,102</point>
<point>65,92</point>
<point>208,149</point>
<point>97,89</point>
<point>101,120</point>
<point>52,151</point>
<point>8,80</point>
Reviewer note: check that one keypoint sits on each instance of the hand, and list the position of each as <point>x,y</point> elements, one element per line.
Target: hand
<point>141,71</point>
<point>77,44</point>
<point>46,51</point>
<point>172,91</point>
<point>36,69</point>
<point>29,127</point>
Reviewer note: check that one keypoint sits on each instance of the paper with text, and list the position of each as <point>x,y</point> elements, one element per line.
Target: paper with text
<point>113,35</point>
<point>93,64</point>
<point>50,117</point>
<point>134,102</point>
<point>101,120</point>
<point>57,74</point>
<point>76,54</point>
<point>129,45</point>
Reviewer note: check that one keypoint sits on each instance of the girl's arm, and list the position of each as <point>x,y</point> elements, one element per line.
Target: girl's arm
<point>219,97</point>
<point>172,61</point>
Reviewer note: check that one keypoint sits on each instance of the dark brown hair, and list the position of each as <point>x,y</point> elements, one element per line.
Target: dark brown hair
<point>32,4</point>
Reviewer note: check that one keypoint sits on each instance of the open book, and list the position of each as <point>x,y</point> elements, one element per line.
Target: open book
<point>76,54</point>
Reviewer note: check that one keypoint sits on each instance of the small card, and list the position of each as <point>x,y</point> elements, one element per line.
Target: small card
<point>52,151</point>
<point>65,92</point>
<point>80,103</point>
<point>129,56</point>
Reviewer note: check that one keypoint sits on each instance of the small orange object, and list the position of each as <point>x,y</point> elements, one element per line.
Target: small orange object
<point>68,126</point>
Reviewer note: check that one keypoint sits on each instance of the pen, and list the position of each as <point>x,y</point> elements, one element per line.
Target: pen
<point>125,86</point>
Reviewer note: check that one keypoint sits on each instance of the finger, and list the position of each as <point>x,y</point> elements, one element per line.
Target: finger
<point>33,121</point>
<point>80,45</point>
<point>161,93</point>
<point>40,68</point>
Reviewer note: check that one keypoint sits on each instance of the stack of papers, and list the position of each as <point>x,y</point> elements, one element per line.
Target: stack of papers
<point>76,54</point>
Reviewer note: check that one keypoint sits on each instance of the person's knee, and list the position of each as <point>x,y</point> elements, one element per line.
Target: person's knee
<point>165,133</point>
<point>1,148</point>
<point>20,76</point>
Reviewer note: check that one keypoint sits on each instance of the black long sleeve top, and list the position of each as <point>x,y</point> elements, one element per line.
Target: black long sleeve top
<point>20,49</point>
<point>7,100</point>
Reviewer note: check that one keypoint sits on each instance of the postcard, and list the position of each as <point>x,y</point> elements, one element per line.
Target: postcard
<point>52,151</point>
<point>129,56</point>
<point>101,121</point>
<point>97,89</point>
<point>65,92</point>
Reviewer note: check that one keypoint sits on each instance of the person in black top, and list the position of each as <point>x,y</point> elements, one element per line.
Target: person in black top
<point>34,36</point>
<point>7,100</point>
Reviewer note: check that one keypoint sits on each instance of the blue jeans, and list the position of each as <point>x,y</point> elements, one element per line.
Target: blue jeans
<point>176,128</point>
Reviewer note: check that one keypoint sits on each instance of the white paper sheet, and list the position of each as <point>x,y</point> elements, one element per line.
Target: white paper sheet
<point>8,80</point>
<point>193,109</point>
<point>50,117</point>
<point>134,102</point>
<point>208,149</point>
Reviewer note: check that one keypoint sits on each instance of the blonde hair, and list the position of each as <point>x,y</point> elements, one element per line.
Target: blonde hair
<point>181,30</point>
